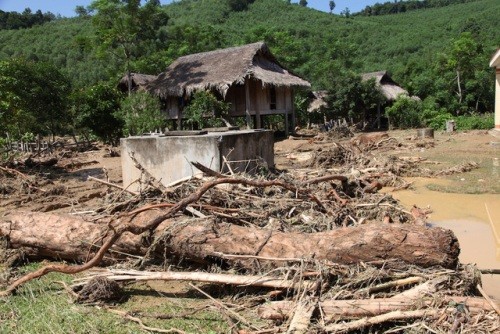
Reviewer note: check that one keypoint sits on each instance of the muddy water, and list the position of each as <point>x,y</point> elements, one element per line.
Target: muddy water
<point>475,220</point>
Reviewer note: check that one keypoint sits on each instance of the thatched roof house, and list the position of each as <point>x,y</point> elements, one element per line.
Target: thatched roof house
<point>220,69</point>
<point>138,81</point>
<point>387,86</point>
<point>248,77</point>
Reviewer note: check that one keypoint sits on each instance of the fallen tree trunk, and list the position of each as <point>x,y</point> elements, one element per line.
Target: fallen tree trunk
<point>238,280</point>
<point>205,241</point>
<point>358,308</point>
<point>46,235</point>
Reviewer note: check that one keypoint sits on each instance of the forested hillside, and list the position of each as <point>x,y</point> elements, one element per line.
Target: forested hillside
<point>423,49</point>
<point>395,7</point>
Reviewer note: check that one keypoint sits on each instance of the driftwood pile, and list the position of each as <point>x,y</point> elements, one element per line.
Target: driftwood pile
<point>309,250</point>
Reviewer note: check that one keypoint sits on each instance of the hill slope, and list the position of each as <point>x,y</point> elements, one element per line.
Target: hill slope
<point>305,40</point>
<point>315,45</point>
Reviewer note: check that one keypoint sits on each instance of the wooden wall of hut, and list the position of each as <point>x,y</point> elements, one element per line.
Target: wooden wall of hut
<point>263,100</point>
<point>267,100</point>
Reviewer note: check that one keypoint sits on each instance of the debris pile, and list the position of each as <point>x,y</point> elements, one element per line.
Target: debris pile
<point>322,248</point>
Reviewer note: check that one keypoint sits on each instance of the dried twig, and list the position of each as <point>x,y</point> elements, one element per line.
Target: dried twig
<point>127,316</point>
<point>490,301</point>
<point>391,316</point>
<point>237,316</point>
<point>91,178</point>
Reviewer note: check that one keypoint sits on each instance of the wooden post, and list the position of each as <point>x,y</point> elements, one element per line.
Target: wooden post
<point>378,115</point>
<point>179,119</point>
<point>247,104</point>
<point>257,117</point>
<point>286,123</point>
<point>293,110</point>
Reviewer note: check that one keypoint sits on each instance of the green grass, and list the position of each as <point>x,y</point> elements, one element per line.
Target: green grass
<point>483,180</point>
<point>480,181</point>
<point>43,306</point>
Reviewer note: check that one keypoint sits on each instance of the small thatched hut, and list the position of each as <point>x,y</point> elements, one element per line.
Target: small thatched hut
<point>387,86</point>
<point>248,77</point>
<point>138,82</point>
<point>390,89</point>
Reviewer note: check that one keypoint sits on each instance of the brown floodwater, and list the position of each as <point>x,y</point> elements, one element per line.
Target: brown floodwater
<point>474,218</point>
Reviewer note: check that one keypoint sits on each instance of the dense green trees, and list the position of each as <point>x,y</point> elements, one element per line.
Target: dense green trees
<point>396,7</point>
<point>94,112</point>
<point>33,98</point>
<point>126,30</point>
<point>205,110</point>
<point>440,53</point>
<point>351,98</point>
<point>26,19</point>
<point>404,113</point>
<point>462,76</point>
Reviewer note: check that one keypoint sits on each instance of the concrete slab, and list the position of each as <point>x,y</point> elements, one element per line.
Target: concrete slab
<point>167,158</point>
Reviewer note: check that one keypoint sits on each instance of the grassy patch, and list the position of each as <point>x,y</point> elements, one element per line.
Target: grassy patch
<point>43,306</point>
<point>459,148</point>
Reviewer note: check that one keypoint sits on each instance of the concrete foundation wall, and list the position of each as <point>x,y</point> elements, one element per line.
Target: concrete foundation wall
<point>168,158</point>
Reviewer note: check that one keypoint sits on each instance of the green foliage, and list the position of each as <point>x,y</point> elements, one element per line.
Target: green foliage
<point>434,117</point>
<point>301,102</point>
<point>205,110</point>
<point>462,77</point>
<point>239,5</point>
<point>33,98</point>
<point>26,19</point>
<point>350,97</point>
<point>404,113</point>
<point>141,113</point>
<point>94,112</point>
<point>396,7</point>
<point>28,137</point>
<point>332,6</point>
<point>475,122</point>
<point>126,30</point>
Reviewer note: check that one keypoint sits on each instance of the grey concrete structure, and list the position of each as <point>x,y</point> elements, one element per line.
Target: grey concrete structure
<point>167,158</point>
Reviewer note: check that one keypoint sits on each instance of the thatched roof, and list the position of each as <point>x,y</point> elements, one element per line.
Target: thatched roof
<point>317,101</point>
<point>139,81</point>
<point>387,86</point>
<point>220,69</point>
<point>495,60</point>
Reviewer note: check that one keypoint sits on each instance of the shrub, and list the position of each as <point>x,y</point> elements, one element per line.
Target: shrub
<point>141,113</point>
<point>404,113</point>
<point>205,110</point>
<point>94,110</point>
<point>475,122</point>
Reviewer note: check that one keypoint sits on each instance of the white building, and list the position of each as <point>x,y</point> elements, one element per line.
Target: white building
<point>495,62</point>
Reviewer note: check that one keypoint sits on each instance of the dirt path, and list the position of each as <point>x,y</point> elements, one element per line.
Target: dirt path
<point>63,187</point>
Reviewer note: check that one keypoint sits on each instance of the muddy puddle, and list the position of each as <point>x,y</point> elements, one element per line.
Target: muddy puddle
<point>475,220</point>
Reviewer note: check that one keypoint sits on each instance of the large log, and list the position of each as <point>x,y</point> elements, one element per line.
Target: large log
<point>334,310</point>
<point>66,237</point>
<point>46,235</point>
